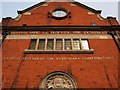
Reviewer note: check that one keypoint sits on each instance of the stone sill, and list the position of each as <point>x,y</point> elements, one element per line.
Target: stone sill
<point>91,51</point>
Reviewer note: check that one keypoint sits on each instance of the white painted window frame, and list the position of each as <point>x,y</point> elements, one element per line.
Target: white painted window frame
<point>81,51</point>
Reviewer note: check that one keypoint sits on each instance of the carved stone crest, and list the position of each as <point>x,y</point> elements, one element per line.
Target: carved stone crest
<point>58,80</point>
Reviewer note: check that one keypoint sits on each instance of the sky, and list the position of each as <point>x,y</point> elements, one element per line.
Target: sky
<point>9,8</point>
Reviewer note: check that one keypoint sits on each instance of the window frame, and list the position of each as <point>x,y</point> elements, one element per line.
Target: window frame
<point>30,46</point>
<point>62,51</point>
<point>59,13</point>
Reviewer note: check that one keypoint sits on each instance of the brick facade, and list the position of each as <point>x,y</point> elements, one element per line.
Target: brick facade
<point>96,70</point>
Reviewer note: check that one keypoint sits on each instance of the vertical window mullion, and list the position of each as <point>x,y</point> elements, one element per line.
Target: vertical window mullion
<point>36,47</point>
<point>63,41</point>
<point>80,44</point>
<point>72,43</point>
<point>46,44</point>
<point>54,44</point>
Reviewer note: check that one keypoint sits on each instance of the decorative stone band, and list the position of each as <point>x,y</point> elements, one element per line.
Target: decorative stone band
<point>85,36</point>
<point>91,51</point>
<point>56,32</point>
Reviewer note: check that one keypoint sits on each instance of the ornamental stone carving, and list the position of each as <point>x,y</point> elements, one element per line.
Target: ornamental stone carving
<point>58,80</point>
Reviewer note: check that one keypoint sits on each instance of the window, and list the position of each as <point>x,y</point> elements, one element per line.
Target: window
<point>85,45</point>
<point>59,13</point>
<point>68,44</point>
<point>61,45</point>
<point>41,45</point>
<point>50,44</point>
<point>76,44</point>
<point>33,44</point>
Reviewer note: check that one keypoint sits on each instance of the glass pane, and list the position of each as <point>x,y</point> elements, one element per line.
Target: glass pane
<point>76,44</point>
<point>85,45</point>
<point>41,45</point>
<point>59,13</point>
<point>50,44</point>
<point>58,44</point>
<point>33,44</point>
<point>68,45</point>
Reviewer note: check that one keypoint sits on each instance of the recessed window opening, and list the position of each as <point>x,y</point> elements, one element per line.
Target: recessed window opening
<point>59,13</point>
<point>76,44</point>
<point>50,44</point>
<point>41,45</point>
<point>68,45</point>
<point>85,45</point>
<point>59,44</point>
<point>33,44</point>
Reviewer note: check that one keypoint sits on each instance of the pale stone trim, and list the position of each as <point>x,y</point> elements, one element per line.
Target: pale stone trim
<point>73,4</point>
<point>91,51</point>
<point>59,36</point>
<point>91,13</point>
<point>100,17</point>
<point>103,37</point>
<point>45,4</point>
<point>57,32</point>
<point>37,44</point>
<point>27,13</point>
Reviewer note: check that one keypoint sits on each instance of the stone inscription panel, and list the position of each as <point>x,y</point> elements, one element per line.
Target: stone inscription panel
<point>60,58</point>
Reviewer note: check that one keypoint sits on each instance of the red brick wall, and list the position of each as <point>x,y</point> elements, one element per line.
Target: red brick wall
<point>39,16</point>
<point>94,73</point>
<point>87,73</point>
